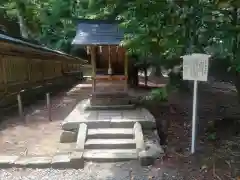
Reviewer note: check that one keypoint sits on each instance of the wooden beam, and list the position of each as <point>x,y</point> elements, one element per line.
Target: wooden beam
<point>93,62</point>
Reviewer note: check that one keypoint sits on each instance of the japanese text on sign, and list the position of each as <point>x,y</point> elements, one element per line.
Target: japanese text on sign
<point>195,67</point>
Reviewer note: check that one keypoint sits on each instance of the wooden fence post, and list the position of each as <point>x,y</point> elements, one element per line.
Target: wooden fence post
<point>20,107</point>
<point>49,106</point>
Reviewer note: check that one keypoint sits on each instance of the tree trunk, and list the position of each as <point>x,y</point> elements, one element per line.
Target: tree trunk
<point>23,28</point>
<point>237,84</point>
<point>235,48</point>
<point>145,76</point>
<point>158,71</point>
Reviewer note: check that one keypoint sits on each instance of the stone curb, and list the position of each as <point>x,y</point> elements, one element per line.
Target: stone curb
<point>81,137</point>
<point>58,161</point>
<point>138,135</point>
<point>68,137</point>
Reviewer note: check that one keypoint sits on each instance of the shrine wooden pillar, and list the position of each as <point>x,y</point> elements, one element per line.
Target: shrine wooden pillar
<point>93,63</point>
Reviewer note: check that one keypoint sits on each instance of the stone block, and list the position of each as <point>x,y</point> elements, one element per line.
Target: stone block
<point>150,154</point>
<point>7,161</point>
<point>34,162</point>
<point>77,160</point>
<point>81,137</point>
<point>148,116</point>
<point>144,159</point>
<point>139,139</point>
<point>61,161</point>
<point>68,137</point>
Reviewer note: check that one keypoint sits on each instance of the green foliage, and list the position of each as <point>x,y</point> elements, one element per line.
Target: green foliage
<point>159,94</point>
<point>159,31</point>
<point>212,136</point>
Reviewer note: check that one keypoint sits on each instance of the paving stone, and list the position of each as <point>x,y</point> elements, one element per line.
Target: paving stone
<point>76,117</point>
<point>34,161</point>
<point>68,137</point>
<point>61,161</point>
<point>76,160</point>
<point>7,161</point>
<point>81,137</point>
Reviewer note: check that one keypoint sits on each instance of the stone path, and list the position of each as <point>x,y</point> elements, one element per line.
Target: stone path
<point>94,171</point>
<point>100,136</point>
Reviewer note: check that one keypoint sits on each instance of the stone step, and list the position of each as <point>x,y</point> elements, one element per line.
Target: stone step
<point>111,107</point>
<point>110,155</point>
<point>110,133</point>
<point>129,123</point>
<point>114,123</point>
<point>110,144</point>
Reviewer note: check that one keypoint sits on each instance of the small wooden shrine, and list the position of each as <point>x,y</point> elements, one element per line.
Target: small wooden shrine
<point>109,61</point>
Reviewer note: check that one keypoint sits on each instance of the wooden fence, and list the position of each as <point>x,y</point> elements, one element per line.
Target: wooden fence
<point>25,67</point>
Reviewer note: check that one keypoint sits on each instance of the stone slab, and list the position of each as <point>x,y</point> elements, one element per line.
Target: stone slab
<point>78,116</point>
<point>133,114</point>
<point>110,144</point>
<point>7,161</point>
<point>91,124</point>
<point>92,119</point>
<point>68,137</point>
<point>110,155</point>
<point>111,107</point>
<point>76,160</point>
<point>110,133</point>
<point>129,123</point>
<point>112,113</point>
<point>61,161</point>
<point>81,137</point>
<point>34,161</point>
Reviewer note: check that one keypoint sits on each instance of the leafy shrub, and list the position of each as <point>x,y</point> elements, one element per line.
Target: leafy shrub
<point>159,94</point>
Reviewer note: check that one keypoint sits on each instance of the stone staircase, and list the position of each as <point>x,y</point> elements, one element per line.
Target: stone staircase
<point>110,144</point>
<point>108,136</point>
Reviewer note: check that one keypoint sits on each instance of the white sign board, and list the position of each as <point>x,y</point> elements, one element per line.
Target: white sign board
<point>195,67</point>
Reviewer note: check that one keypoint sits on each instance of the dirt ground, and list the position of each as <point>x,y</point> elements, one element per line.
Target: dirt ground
<point>218,142</point>
<point>36,135</point>
<point>218,133</point>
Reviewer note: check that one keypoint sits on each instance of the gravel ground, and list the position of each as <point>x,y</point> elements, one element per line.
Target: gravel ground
<point>92,171</point>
